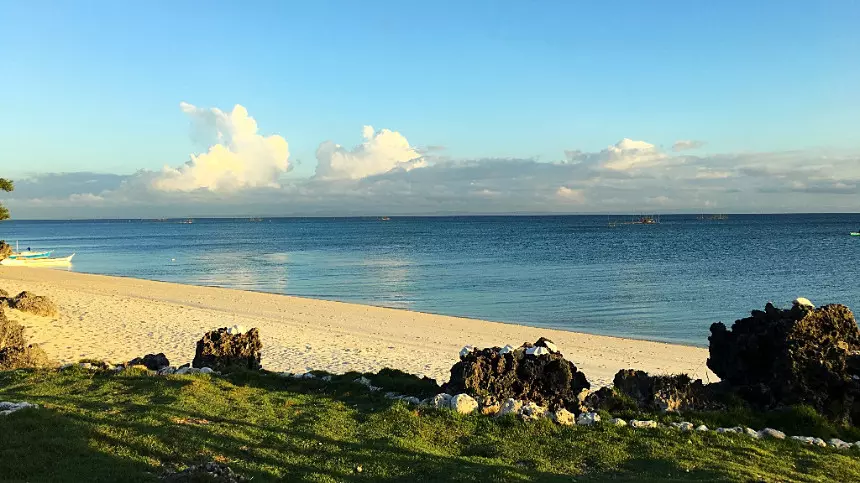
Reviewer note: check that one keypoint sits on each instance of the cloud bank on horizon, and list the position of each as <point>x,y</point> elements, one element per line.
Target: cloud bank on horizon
<point>238,157</point>
<point>240,172</point>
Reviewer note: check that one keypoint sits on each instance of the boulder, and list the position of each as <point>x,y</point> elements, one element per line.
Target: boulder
<point>225,352</point>
<point>683,426</point>
<point>635,423</point>
<point>533,411</point>
<point>464,404</point>
<point>802,355</point>
<point>15,353</point>
<point>563,417</point>
<point>441,401</point>
<point>34,304</point>
<point>511,406</point>
<point>3,293</point>
<point>617,422</point>
<point>489,406</point>
<point>532,373</point>
<point>5,251</point>
<point>657,393</point>
<point>587,419</point>
<point>153,362</point>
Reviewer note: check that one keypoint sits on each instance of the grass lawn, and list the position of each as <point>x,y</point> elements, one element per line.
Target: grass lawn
<point>130,426</point>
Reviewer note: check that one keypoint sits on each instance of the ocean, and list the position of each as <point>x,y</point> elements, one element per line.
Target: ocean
<point>665,282</point>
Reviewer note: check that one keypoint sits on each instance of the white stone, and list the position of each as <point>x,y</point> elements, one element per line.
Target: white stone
<point>803,302</point>
<point>728,430</point>
<point>549,345</point>
<point>85,365</point>
<point>643,424</point>
<point>771,433</point>
<point>617,422</point>
<point>587,419</point>
<point>183,370</point>
<point>506,349</point>
<point>411,400</point>
<point>532,410</point>
<point>511,406</point>
<point>236,330</point>
<point>838,443</point>
<point>751,432</point>
<point>804,439</point>
<point>819,442</point>
<point>563,417</point>
<point>464,404</point>
<point>683,426</point>
<point>465,351</point>
<point>363,381</point>
<point>440,401</point>
<point>7,407</point>
<point>207,370</point>
<point>307,375</point>
<point>701,427</point>
<point>537,351</point>
<point>166,371</point>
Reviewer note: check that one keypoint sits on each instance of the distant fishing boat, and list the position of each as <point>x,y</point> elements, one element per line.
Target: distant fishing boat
<point>385,218</point>
<point>38,262</point>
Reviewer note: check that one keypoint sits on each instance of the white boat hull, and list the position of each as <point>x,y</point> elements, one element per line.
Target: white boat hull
<point>38,262</point>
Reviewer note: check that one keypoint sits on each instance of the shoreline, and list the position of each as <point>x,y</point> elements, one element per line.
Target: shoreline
<point>119,318</point>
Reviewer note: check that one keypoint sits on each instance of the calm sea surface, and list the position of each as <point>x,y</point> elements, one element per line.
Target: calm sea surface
<point>662,282</point>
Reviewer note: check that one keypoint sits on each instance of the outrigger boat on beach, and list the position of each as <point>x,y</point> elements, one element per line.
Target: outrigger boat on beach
<point>38,262</point>
<point>30,255</point>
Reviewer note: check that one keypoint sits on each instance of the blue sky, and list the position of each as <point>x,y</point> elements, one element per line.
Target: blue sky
<point>95,86</point>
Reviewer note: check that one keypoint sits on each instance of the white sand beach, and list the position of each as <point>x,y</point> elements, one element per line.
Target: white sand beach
<point>116,319</point>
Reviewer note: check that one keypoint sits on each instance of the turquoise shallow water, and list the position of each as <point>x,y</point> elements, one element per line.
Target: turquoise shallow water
<point>662,282</point>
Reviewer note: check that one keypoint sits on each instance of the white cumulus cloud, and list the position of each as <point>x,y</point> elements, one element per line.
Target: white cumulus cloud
<point>625,155</point>
<point>381,152</point>
<point>238,158</point>
<point>628,154</point>
<point>570,195</point>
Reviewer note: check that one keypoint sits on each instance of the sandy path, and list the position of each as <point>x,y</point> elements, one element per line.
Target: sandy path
<point>117,319</point>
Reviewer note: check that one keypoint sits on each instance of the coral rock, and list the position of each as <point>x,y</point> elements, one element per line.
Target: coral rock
<point>797,356</point>
<point>153,362</point>
<point>225,352</point>
<point>543,377</point>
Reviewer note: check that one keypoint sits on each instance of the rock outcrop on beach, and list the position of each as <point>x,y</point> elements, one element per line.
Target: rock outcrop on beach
<point>153,362</point>
<point>15,353</point>
<point>536,373</point>
<point>633,389</point>
<point>802,355</point>
<point>5,251</point>
<point>34,304</point>
<point>228,349</point>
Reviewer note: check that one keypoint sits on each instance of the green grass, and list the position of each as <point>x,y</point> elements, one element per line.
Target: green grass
<point>132,426</point>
